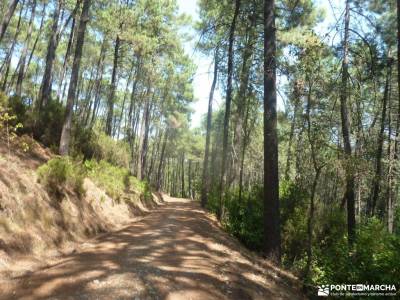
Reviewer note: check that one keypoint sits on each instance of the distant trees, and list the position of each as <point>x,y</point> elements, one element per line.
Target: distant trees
<point>97,78</point>
<point>80,73</point>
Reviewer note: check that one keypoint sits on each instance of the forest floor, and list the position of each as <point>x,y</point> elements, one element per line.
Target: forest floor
<point>176,252</point>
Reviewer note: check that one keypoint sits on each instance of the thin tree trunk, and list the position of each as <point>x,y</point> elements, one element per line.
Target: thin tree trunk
<point>160,165</point>
<point>66,130</point>
<point>124,100</point>
<point>397,138</point>
<point>37,38</point>
<point>183,193</point>
<point>379,150</point>
<point>296,100</point>
<point>45,90</point>
<point>349,196</point>
<point>11,51</point>
<point>110,113</point>
<point>66,59</point>
<point>99,79</point>
<point>190,179</point>
<point>205,187</point>
<point>390,176</point>
<point>7,17</point>
<point>317,170</point>
<point>245,141</point>
<point>24,53</point>
<point>144,129</point>
<point>227,109</point>
<point>251,35</point>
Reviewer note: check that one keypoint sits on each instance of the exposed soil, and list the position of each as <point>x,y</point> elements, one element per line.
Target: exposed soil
<point>176,252</point>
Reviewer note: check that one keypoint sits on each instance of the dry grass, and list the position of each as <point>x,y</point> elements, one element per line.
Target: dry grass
<point>33,224</point>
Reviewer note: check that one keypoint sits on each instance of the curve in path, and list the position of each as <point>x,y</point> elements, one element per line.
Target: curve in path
<point>176,252</point>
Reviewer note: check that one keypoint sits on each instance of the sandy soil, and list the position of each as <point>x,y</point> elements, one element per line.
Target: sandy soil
<point>176,252</point>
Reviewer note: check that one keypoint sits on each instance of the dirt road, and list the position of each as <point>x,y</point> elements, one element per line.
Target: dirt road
<point>176,252</point>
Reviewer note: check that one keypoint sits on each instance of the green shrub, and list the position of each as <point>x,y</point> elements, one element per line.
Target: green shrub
<point>95,144</point>
<point>244,217</point>
<point>45,125</point>
<point>49,125</point>
<point>116,181</point>
<point>60,173</point>
<point>109,177</point>
<point>142,187</point>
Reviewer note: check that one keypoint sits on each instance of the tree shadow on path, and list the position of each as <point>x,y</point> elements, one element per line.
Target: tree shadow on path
<point>176,252</point>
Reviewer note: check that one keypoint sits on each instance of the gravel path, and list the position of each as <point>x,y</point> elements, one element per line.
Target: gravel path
<point>176,252</point>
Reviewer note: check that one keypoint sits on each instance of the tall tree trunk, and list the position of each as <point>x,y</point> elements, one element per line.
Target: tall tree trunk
<point>99,79</point>
<point>143,139</point>
<point>245,140</point>
<point>37,38</point>
<point>7,17</point>
<point>397,139</point>
<point>190,179</point>
<point>296,100</point>
<point>272,237</point>
<point>45,89</point>
<point>124,100</point>
<point>110,113</point>
<point>183,192</point>
<point>227,109</point>
<point>251,35</point>
<point>160,165</point>
<point>390,176</point>
<point>66,130</point>
<point>60,93</point>
<point>205,180</point>
<point>379,150</point>
<point>10,53</point>
<point>349,196</point>
<point>24,53</point>
<point>317,170</point>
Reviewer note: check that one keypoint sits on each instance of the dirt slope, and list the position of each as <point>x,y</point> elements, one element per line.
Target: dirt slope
<point>176,252</point>
<point>35,227</point>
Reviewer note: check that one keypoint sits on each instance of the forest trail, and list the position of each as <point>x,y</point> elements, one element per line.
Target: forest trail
<point>176,252</point>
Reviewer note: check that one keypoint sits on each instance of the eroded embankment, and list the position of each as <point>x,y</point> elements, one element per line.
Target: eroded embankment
<point>35,226</point>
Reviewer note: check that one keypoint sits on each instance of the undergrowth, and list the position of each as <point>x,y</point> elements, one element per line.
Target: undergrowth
<point>373,259</point>
<point>60,173</point>
<point>116,181</point>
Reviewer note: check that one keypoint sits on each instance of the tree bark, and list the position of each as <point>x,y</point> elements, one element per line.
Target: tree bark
<point>99,79</point>
<point>24,53</point>
<point>10,53</point>
<point>205,186</point>
<point>60,93</point>
<point>227,109</point>
<point>183,192</point>
<point>110,113</point>
<point>66,130</point>
<point>37,38</point>
<point>272,238</point>
<point>349,196</point>
<point>296,100</point>
<point>45,90</point>
<point>162,157</point>
<point>379,150</point>
<point>7,17</point>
